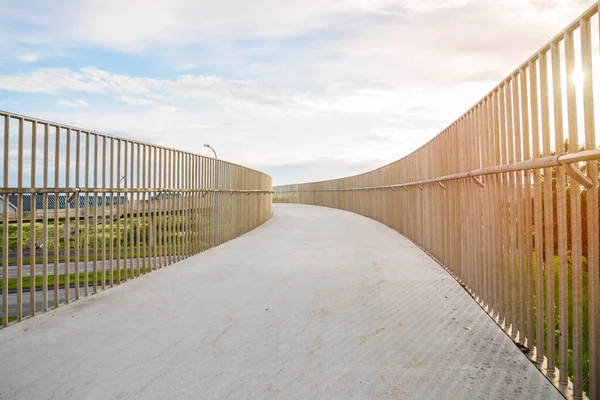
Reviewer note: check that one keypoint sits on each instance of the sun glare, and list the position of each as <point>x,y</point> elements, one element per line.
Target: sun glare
<point>577,77</point>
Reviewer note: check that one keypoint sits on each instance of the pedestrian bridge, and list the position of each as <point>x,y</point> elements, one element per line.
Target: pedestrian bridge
<point>475,275</point>
<point>314,304</point>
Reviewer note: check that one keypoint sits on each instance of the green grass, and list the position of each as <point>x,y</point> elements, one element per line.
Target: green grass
<point>10,319</point>
<point>585,315</point>
<point>135,252</point>
<point>117,277</point>
<point>120,232</point>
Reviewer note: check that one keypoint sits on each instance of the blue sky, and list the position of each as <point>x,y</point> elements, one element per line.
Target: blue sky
<point>302,90</point>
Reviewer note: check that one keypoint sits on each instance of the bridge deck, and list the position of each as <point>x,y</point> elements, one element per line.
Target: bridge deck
<point>315,304</point>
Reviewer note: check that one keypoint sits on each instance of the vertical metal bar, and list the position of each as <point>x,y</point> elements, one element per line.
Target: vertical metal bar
<point>56,240</point>
<point>144,209</point>
<point>172,207</point>
<point>177,205</point>
<point>486,195</point>
<point>164,166</point>
<point>191,209</point>
<point>210,202</point>
<point>548,220</point>
<point>45,241</point>
<point>196,187</point>
<point>218,207</point>
<point>189,206</point>
<point>138,184</point>
<point>561,221</point>
<point>86,239</point>
<point>166,200</point>
<point>474,209</point>
<point>153,208</point>
<point>118,216</point>
<point>103,212</point>
<point>228,214</point>
<point>158,204</point>
<point>95,227</point>
<point>477,149</point>
<point>194,205</point>
<point>497,199</point>
<point>183,209</point>
<point>528,210</point>
<point>77,210</point>
<point>165,203</point>
<point>20,224</point>
<point>125,247</point>
<point>576,246</point>
<point>32,222</point>
<point>520,210</point>
<point>494,210</point>
<point>538,218</point>
<point>5,219</point>
<point>198,180</point>
<point>185,218</point>
<point>512,201</point>
<point>111,227</point>
<point>484,130</point>
<point>506,220</point>
<point>202,210</point>
<point>131,198</point>
<point>154,232</point>
<point>592,210</point>
<point>169,212</point>
<point>66,225</point>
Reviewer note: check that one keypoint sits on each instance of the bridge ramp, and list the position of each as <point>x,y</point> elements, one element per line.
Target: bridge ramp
<point>316,303</point>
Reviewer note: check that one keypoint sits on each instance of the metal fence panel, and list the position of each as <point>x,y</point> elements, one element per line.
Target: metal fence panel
<point>83,211</point>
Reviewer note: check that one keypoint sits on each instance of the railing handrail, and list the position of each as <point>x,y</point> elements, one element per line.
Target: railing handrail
<point>58,125</point>
<point>534,163</point>
<point>51,190</point>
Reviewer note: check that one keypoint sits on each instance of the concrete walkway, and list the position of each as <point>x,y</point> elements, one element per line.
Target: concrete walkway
<point>315,304</point>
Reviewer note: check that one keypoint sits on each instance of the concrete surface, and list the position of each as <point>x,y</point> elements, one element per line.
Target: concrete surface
<point>315,304</point>
<point>26,299</point>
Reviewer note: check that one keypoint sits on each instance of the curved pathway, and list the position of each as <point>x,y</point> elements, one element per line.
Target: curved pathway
<point>315,304</point>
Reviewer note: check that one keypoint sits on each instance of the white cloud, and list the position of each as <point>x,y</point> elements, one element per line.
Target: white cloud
<point>88,79</point>
<point>28,58</point>
<point>448,42</point>
<point>227,92</point>
<point>136,24</point>
<point>134,101</point>
<point>74,103</point>
<point>169,108</point>
<point>224,93</point>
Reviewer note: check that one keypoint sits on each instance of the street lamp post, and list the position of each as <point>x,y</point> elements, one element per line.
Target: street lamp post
<point>208,145</point>
<point>215,218</point>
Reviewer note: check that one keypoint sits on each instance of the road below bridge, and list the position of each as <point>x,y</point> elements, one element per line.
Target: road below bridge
<point>315,304</point>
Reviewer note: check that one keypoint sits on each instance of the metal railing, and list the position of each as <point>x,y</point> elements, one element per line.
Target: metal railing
<point>83,211</point>
<point>497,199</point>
